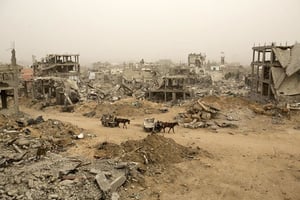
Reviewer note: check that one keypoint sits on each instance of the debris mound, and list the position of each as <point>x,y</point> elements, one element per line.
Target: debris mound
<point>152,150</point>
<point>126,107</point>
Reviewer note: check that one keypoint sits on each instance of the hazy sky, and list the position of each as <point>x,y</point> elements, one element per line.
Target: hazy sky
<point>128,30</point>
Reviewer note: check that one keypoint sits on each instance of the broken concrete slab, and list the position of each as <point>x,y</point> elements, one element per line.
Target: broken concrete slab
<point>102,182</point>
<point>115,196</point>
<point>117,183</point>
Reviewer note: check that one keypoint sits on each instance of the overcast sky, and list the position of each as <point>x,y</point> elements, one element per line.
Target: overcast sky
<point>128,30</point>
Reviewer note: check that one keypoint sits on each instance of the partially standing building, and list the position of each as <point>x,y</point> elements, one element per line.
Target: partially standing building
<point>197,62</point>
<point>56,76</point>
<point>58,65</point>
<point>276,73</point>
<point>9,84</point>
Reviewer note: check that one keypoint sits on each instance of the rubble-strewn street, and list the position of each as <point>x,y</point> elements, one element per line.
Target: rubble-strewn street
<point>146,137</point>
<point>149,100</point>
<point>259,159</point>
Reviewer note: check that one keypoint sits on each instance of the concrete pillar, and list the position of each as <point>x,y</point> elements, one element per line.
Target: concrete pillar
<point>16,99</point>
<point>174,96</point>
<point>43,88</point>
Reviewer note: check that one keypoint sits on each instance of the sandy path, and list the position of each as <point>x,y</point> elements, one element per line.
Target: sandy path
<point>262,165</point>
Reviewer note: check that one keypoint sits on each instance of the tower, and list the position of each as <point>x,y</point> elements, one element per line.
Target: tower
<point>222,58</point>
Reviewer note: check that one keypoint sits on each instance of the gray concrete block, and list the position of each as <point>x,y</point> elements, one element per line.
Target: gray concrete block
<point>117,183</point>
<point>115,196</point>
<point>102,182</point>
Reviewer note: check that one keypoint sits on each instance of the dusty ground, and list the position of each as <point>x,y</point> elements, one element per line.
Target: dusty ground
<point>259,160</point>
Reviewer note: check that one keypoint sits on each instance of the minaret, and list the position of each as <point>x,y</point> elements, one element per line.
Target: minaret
<point>13,57</point>
<point>16,79</point>
<point>222,58</point>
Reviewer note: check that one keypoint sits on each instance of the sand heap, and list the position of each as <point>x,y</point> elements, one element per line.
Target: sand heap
<point>152,150</point>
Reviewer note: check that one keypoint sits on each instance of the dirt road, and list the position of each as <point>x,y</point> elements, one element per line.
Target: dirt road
<point>258,160</point>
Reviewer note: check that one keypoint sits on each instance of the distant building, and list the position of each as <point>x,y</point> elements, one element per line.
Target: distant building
<point>197,61</point>
<point>215,68</point>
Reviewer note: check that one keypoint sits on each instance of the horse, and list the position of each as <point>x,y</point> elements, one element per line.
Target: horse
<point>122,120</point>
<point>170,125</point>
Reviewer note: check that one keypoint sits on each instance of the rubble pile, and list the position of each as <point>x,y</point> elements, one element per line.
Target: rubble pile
<point>125,107</point>
<point>278,112</point>
<point>153,150</point>
<point>23,142</point>
<point>58,177</point>
<point>200,114</point>
<point>230,87</point>
<point>31,167</point>
<point>57,128</point>
<point>107,91</point>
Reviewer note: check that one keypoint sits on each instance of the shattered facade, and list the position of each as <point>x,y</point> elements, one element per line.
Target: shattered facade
<point>197,62</point>
<point>56,76</point>
<point>9,82</point>
<point>196,59</point>
<point>276,73</point>
<point>169,88</point>
<point>58,65</point>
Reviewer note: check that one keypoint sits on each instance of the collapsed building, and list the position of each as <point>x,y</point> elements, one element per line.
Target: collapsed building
<point>197,62</point>
<point>169,88</point>
<point>276,73</point>
<point>56,76</point>
<point>9,82</point>
<point>58,65</point>
<point>180,83</point>
<point>26,80</point>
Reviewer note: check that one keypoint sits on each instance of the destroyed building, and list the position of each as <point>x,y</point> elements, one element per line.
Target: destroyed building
<point>9,83</point>
<point>197,62</point>
<point>137,77</point>
<point>58,65</point>
<point>169,88</point>
<point>180,82</point>
<point>26,79</point>
<point>56,76</point>
<point>276,73</point>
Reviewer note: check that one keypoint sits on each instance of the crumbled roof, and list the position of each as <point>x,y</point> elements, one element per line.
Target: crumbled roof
<point>289,59</point>
<point>294,64</point>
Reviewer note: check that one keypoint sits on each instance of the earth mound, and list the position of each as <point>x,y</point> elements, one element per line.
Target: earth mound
<point>154,149</point>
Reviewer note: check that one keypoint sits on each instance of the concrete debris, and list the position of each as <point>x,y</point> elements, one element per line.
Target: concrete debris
<point>80,136</point>
<point>53,176</point>
<point>102,182</point>
<point>199,115</point>
<point>118,182</point>
<point>115,196</point>
<point>34,150</point>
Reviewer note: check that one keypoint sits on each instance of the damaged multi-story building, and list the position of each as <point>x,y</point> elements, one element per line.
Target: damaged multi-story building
<point>58,65</point>
<point>169,88</point>
<point>179,83</point>
<point>197,62</point>
<point>56,76</point>
<point>9,84</point>
<point>276,73</point>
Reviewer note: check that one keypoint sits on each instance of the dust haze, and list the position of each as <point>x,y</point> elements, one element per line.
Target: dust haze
<point>118,31</point>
